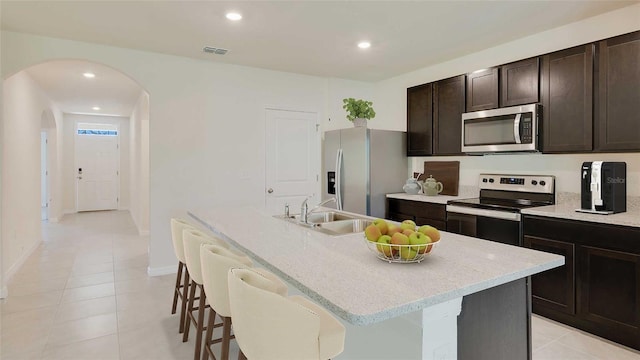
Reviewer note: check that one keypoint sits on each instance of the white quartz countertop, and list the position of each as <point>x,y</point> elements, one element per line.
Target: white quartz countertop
<point>567,203</point>
<point>343,275</point>
<point>464,192</point>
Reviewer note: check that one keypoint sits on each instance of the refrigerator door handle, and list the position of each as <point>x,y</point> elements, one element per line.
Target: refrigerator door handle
<point>338,179</point>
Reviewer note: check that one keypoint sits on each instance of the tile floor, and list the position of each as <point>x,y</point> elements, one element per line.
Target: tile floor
<point>85,294</point>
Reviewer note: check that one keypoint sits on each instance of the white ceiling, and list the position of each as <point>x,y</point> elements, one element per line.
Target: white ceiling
<point>308,37</point>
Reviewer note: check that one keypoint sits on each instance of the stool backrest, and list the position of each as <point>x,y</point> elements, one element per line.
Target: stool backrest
<point>268,325</point>
<point>177,227</point>
<point>193,239</point>
<point>216,263</point>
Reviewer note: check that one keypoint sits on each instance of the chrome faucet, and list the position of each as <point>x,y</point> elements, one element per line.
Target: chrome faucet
<point>304,211</point>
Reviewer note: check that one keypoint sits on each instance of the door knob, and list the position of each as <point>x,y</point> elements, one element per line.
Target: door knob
<point>270,190</point>
<point>80,177</point>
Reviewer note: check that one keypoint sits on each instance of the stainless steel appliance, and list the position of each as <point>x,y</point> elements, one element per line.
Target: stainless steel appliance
<point>501,130</point>
<point>495,215</point>
<point>361,166</point>
<point>604,187</point>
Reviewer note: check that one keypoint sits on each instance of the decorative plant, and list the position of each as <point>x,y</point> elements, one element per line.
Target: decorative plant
<point>358,109</point>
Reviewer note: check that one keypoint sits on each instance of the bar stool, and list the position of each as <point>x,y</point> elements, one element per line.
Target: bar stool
<point>182,283</point>
<point>271,326</point>
<point>193,239</point>
<point>216,262</point>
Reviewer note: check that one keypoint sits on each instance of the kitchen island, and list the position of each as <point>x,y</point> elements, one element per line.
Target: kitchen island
<point>465,295</point>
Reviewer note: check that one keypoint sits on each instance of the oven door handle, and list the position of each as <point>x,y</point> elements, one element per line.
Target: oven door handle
<point>504,215</point>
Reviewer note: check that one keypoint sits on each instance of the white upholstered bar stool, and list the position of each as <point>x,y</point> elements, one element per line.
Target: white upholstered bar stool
<point>270,326</point>
<point>182,281</point>
<point>193,239</point>
<point>216,263</point>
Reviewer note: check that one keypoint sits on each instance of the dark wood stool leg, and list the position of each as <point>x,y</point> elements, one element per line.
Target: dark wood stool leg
<point>200,323</point>
<point>208,339</point>
<point>186,294</point>
<point>241,355</point>
<point>226,337</point>
<point>187,323</point>
<point>176,292</point>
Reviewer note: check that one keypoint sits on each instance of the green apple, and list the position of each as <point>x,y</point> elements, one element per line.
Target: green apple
<point>408,224</point>
<point>384,245</point>
<point>400,239</point>
<point>372,233</point>
<point>431,232</point>
<point>382,225</point>
<point>392,229</point>
<point>408,253</point>
<point>420,240</point>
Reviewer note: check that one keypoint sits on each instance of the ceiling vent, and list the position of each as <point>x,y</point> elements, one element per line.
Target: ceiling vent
<point>213,50</point>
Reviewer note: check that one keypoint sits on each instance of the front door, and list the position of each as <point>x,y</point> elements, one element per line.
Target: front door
<point>292,159</point>
<point>97,167</point>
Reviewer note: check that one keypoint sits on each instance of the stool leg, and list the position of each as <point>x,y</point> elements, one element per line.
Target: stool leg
<point>187,323</point>
<point>177,289</point>
<point>208,339</point>
<point>241,355</point>
<point>185,300</point>
<point>226,337</point>
<point>200,323</point>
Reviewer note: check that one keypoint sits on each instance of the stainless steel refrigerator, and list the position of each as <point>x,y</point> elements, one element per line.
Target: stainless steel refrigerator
<point>361,166</point>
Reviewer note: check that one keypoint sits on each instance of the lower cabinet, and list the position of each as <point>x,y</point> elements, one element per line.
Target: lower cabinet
<point>422,213</point>
<point>598,288</point>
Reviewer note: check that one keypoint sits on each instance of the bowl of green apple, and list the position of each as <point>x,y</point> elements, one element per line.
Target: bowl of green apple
<point>400,242</point>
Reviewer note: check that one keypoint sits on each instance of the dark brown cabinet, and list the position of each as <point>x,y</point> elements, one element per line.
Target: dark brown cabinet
<point>482,90</point>
<point>519,82</point>
<point>567,98</point>
<point>422,213</point>
<point>420,120</point>
<point>617,105</point>
<point>601,271</point>
<point>448,106</point>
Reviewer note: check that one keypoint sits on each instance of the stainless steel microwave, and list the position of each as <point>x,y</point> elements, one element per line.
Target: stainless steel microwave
<point>501,130</point>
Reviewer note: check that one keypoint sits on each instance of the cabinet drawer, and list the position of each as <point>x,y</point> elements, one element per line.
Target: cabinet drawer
<point>417,209</point>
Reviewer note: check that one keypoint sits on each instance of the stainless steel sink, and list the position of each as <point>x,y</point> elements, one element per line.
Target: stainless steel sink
<point>331,222</point>
<point>342,227</point>
<point>327,216</point>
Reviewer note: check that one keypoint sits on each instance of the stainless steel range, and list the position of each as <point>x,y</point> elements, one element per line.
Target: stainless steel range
<point>495,215</point>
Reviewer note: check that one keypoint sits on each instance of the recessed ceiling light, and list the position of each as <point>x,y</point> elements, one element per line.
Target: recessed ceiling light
<point>234,16</point>
<point>89,75</point>
<point>364,45</point>
<point>96,108</point>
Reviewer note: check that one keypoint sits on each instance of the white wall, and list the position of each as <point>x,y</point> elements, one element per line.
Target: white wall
<point>24,104</point>
<point>139,164</point>
<point>69,169</point>
<point>390,99</point>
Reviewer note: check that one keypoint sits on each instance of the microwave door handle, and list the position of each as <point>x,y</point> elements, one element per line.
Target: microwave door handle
<point>516,129</point>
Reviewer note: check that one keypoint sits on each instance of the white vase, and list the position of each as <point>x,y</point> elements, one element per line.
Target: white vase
<point>360,122</point>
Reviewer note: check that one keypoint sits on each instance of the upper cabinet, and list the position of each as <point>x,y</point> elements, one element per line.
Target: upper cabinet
<point>482,90</point>
<point>567,88</point>
<point>519,83</point>
<point>420,120</point>
<point>617,105</point>
<point>448,106</point>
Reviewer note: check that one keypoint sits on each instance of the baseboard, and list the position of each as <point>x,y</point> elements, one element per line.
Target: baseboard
<point>4,292</point>
<point>164,270</point>
<point>18,264</point>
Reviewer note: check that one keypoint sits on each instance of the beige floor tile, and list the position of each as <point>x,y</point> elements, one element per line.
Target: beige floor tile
<point>37,275</point>
<point>91,268</point>
<point>598,347</point>
<point>16,323</point>
<point>29,288</point>
<point>102,348</point>
<point>144,285</point>
<point>134,318</point>
<point>548,327</point>
<point>83,329</point>
<point>131,274</point>
<point>23,342</point>
<point>160,341</point>
<point>88,280</point>
<point>31,352</point>
<point>85,308</point>
<point>88,292</point>
<point>28,302</point>
<point>557,351</point>
<point>540,339</point>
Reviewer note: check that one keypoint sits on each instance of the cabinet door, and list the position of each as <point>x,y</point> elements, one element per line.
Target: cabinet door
<point>419,120</point>
<point>448,106</point>
<point>618,104</point>
<point>609,290</point>
<point>482,90</point>
<point>519,83</point>
<point>567,94</point>
<point>554,288</point>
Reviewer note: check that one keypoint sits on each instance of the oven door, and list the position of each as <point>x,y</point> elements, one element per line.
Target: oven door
<point>494,225</point>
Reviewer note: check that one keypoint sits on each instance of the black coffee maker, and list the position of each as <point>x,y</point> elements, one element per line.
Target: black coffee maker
<point>604,187</point>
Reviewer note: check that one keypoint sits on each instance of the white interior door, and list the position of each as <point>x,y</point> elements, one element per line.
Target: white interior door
<point>97,167</point>
<point>44,174</point>
<point>292,159</point>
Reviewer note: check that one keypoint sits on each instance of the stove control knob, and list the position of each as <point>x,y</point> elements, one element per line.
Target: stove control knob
<point>533,182</point>
<point>484,180</point>
<point>491,180</point>
<point>543,183</point>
